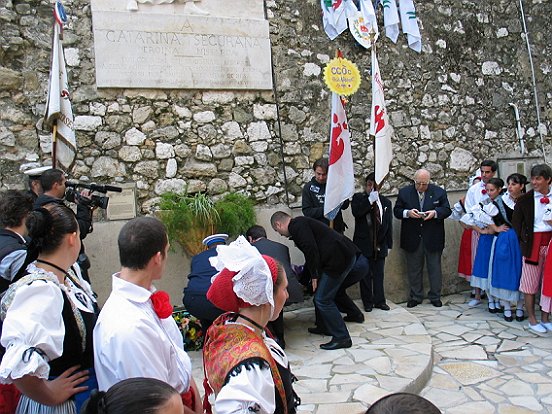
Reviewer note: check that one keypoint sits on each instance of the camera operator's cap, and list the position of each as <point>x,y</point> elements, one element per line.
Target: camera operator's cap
<point>215,238</point>
<point>35,173</point>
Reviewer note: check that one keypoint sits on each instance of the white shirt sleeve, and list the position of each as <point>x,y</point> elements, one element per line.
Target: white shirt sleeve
<point>252,387</point>
<point>471,198</point>
<point>33,320</point>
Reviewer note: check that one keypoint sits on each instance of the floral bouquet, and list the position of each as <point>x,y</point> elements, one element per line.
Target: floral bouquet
<point>190,327</point>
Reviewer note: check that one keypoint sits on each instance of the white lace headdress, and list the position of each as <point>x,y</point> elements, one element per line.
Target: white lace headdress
<point>253,282</point>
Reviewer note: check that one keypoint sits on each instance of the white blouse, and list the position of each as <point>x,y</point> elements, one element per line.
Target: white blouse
<point>252,389</point>
<point>34,320</point>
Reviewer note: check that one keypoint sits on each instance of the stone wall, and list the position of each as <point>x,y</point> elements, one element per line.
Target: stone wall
<point>449,104</point>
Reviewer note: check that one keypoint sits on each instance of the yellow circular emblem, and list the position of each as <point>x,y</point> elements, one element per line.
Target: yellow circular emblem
<point>342,76</point>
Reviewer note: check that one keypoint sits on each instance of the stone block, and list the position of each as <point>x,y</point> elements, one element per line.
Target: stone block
<point>265,112</point>
<point>171,168</point>
<point>258,131</point>
<point>134,137</point>
<point>164,150</point>
<point>148,169</point>
<point>204,117</point>
<point>87,123</point>
<point>130,154</point>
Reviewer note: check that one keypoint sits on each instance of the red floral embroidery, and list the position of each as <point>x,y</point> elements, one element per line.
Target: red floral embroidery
<point>483,191</point>
<point>162,304</point>
<point>545,200</point>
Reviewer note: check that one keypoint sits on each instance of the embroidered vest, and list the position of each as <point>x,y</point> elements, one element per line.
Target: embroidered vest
<point>227,346</point>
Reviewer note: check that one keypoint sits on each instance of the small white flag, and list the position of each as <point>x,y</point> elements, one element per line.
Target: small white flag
<point>409,24</point>
<point>58,106</point>
<point>340,185</point>
<point>391,19</point>
<point>380,128</point>
<point>335,16</point>
<point>364,25</point>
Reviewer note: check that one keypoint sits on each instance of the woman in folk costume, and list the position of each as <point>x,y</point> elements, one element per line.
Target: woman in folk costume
<point>246,370</point>
<point>546,292</point>
<point>484,215</point>
<point>466,254</point>
<point>48,317</point>
<point>507,261</point>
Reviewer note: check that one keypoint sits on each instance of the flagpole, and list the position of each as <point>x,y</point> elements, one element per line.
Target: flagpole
<point>54,145</point>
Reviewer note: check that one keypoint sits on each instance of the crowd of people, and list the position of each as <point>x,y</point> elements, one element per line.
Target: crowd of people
<point>503,253</point>
<point>61,354</point>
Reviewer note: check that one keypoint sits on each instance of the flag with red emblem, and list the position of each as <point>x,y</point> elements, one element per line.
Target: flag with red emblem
<point>380,128</point>
<point>340,184</point>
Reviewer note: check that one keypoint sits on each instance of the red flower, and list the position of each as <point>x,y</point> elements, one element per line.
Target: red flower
<point>162,304</point>
<point>483,191</point>
<point>545,200</point>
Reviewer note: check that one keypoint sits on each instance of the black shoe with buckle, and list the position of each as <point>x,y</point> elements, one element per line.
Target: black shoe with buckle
<point>412,303</point>
<point>437,303</point>
<point>382,306</point>
<point>368,308</point>
<point>337,344</point>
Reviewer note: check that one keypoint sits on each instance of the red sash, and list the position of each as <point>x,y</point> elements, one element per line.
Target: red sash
<point>225,347</point>
<point>547,274</point>
<point>539,239</point>
<point>465,255</point>
<point>9,398</point>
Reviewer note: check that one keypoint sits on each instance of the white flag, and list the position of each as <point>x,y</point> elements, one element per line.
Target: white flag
<point>58,107</point>
<point>410,24</point>
<point>391,19</point>
<point>364,25</point>
<point>335,16</point>
<point>379,125</point>
<point>340,184</point>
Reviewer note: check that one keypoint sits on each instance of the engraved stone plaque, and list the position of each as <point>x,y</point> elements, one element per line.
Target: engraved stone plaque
<point>122,206</point>
<point>181,44</point>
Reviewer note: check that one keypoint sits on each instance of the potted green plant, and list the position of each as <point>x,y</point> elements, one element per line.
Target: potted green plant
<point>191,218</point>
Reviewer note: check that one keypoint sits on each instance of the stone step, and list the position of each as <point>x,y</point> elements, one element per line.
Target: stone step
<point>391,352</point>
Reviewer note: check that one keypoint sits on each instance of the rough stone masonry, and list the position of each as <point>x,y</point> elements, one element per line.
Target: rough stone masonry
<point>448,105</point>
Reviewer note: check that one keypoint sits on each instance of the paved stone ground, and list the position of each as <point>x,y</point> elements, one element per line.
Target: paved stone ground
<point>479,363</point>
<point>484,364</point>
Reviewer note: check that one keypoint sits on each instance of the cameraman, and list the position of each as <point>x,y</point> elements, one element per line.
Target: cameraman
<point>53,185</point>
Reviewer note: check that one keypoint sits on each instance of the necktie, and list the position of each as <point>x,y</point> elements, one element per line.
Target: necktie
<point>421,197</point>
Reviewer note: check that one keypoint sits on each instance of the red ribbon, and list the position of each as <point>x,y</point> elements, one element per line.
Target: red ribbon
<point>545,200</point>
<point>162,304</point>
<point>483,191</point>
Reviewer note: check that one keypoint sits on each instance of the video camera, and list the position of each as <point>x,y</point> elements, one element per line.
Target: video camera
<point>73,196</point>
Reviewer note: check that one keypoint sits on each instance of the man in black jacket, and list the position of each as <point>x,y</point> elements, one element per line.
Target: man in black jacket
<point>256,235</point>
<point>422,208</point>
<point>53,185</point>
<point>333,262</point>
<point>374,237</point>
<point>314,193</point>
<point>15,206</point>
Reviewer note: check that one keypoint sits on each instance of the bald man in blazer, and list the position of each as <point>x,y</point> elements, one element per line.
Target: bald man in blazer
<point>422,208</point>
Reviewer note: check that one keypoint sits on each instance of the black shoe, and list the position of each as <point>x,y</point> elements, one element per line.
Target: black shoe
<point>412,303</point>
<point>368,308</point>
<point>337,344</point>
<point>493,310</point>
<point>318,331</point>
<point>437,303</point>
<point>383,306</point>
<point>520,318</point>
<point>508,316</point>
<point>357,318</point>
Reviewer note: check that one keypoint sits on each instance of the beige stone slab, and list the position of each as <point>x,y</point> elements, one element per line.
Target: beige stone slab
<point>534,378</point>
<point>528,402</point>
<point>467,352</point>
<point>325,397</point>
<point>469,373</point>
<point>493,397</point>
<point>445,382</point>
<point>349,379</point>
<point>516,387</point>
<point>368,393</point>
<point>362,355</point>
<point>480,407</point>
<point>445,398</point>
<point>346,408</point>
<point>392,383</point>
<point>310,386</point>
<point>313,371</point>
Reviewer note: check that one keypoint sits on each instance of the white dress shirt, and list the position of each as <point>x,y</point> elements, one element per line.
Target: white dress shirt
<point>475,195</point>
<point>130,341</point>
<point>539,225</point>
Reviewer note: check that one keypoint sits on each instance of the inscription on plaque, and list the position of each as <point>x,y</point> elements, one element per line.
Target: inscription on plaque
<point>122,206</point>
<point>146,49</point>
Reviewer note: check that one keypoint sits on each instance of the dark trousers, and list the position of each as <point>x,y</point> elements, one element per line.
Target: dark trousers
<point>329,317</point>
<point>415,265</point>
<point>371,287</point>
<point>200,307</point>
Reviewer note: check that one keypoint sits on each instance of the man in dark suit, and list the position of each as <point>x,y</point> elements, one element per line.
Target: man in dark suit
<point>256,235</point>
<point>422,207</point>
<point>334,263</point>
<point>374,237</point>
